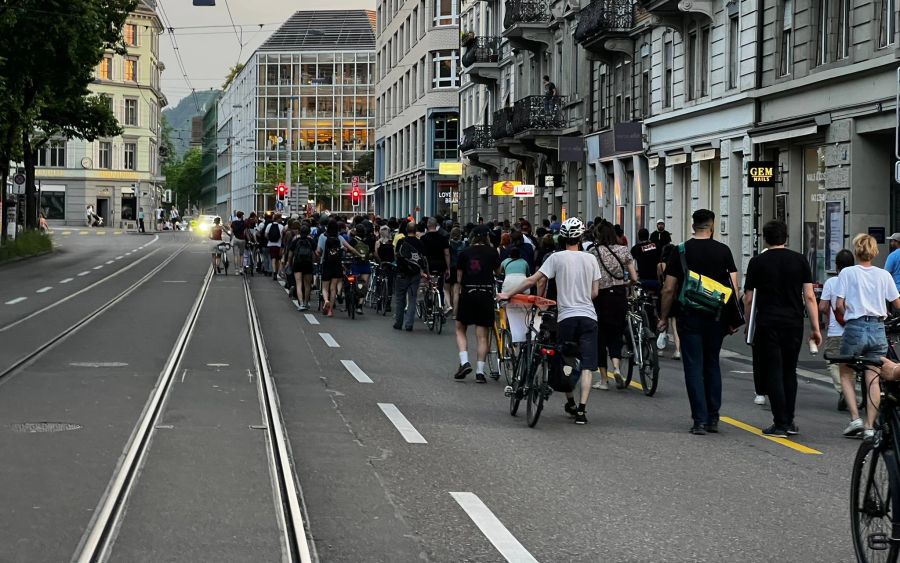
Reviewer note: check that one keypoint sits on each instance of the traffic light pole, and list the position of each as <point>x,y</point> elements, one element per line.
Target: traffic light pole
<point>287,163</point>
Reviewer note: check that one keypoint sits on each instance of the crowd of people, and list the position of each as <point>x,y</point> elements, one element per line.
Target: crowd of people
<point>588,270</point>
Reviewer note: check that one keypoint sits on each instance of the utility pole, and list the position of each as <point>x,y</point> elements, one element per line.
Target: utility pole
<point>287,164</point>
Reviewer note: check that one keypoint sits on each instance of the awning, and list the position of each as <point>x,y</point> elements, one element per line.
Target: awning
<point>128,190</point>
<point>787,130</point>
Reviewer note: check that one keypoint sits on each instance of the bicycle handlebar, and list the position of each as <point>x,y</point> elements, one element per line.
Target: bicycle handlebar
<point>856,360</point>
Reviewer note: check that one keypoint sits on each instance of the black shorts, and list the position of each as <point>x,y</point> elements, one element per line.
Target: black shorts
<point>452,279</point>
<point>583,331</point>
<point>332,271</point>
<point>302,268</point>
<point>476,307</point>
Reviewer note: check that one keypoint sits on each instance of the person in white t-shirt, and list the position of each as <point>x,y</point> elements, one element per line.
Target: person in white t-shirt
<point>863,294</point>
<point>840,374</point>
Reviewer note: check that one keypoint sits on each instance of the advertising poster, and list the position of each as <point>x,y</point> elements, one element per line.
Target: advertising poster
<point>834,232</point>
<point>811,245</point>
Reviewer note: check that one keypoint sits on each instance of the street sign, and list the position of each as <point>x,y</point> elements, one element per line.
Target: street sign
<point>354,182</point>
<point>279,206</point>
<point>19,179</point>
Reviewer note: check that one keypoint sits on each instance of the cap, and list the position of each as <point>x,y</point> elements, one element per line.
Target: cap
<point>895,237</point>
<point>658,221</point>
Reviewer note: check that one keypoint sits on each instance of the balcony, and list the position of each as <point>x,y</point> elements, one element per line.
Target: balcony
<point>476,138</point>
<point>481,57</point>
<point>536,115</point>
<point>502,127</point>
<point>604,25</point>
<point>526,25</point>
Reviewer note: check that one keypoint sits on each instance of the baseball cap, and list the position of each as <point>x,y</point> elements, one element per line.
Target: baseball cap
<point>896,237</point>
<point>658,221</point>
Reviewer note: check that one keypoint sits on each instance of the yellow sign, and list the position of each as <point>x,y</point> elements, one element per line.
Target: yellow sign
<point>563,214</point>
<point>507,187</point>
<point>450,168</point>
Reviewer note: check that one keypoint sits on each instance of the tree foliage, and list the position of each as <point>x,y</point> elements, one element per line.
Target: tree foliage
<point>322,181</point>
<point>184,177</point>
<point>365,166</point>
<point>232,74</point>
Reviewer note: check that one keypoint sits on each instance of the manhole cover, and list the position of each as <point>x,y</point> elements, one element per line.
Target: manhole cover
<point>33,427</point>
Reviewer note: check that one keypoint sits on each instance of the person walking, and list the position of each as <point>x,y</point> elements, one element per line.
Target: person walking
<point>273,233</point>
<point>646,255</point>
<point>300,256</point>
<point>239,243</point>
<point>411,267</point>
<point>863,294</point>
<point>834,335</point>
<point>661,237</point>
<point>476,266</point>
<point>892,265</point>
<point>141,228</point>
<point>437,252</point>
<point>702,332</point>
<point>781,282</point>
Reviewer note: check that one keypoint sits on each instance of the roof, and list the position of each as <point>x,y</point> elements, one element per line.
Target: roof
<point>330,30</point>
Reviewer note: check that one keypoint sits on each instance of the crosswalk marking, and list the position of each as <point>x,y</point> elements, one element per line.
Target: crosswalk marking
<point>356,371</point>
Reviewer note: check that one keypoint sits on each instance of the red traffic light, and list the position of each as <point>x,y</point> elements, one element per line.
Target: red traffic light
<point>281,191</point>
<point>355,195</point>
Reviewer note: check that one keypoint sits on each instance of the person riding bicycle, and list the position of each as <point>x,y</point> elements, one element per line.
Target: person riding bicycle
<point>330,252</point>
<point>577,276</point>
<point>216,235</point>
<point>361,266</point>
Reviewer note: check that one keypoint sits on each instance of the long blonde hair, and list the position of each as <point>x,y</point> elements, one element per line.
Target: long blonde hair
<point>865,247</point>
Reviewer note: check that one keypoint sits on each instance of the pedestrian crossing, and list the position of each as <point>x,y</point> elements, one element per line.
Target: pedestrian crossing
<point>76,232</point>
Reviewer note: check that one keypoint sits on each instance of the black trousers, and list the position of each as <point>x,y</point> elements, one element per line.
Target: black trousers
<point>775,352</point>
<point>610,306</point>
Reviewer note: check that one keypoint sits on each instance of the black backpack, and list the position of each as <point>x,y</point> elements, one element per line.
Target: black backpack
<point>303,252</point>
<point>333,249</point>
<point>273,232</point>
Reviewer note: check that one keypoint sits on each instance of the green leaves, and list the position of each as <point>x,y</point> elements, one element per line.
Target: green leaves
<point>184,176</point>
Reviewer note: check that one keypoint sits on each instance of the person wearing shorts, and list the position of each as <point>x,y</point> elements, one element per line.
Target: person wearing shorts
<point>577,276</point>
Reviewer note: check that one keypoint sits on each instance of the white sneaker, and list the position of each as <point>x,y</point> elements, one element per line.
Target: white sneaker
<point>662,340</point>
<point>620,381</point>
<point>297,304</point>
<point>868,433</point>
<point>601,385</point>
<point>759,400</point>
<point>855,427</point>
<point>676,355</point>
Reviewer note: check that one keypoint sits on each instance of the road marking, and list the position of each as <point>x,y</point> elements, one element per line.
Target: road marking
<point>108,262</point>
<point>84,273</point>
<point>783,441</point>
<point>356,372</point>
<point>493,529</point>
<point>98,364</point>
<point>311,318</point>
<point>98,267</point>
<point>332,343</point>
<point>117,233</point>
<point>101,232</point>
<point>119,257</point>
<point>67,232</point>
<point>44,289</point>
<point>741,372</point>
<point>82,232</point>
<point>174,281</point>
<point>67,280</point>
<point>16,300</point>
<point>402,424</point>
<point>218,365</point>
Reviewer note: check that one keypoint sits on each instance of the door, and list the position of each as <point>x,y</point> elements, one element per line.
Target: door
<point>103,209</point>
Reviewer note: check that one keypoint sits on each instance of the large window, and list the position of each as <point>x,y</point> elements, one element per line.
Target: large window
<point>445,12</point>
<point>105,155</point>
<point>445,69</point>
<point>53,203</point>
<point>734,50</point>
<point>131,72</point>
<point>668,66</point>
<point>833,30</point>
<point>787,38</point>
<point>697,57</point>
<point>130,33</point>
<point>105,70</point>
<point>690,65</point>
<point>53,154</point>
<point>703,63</point>
<point>887,25</point>
<point>131,111</point>
<point>130,156</point>
<point>446,138</point>
<point>645,94</point>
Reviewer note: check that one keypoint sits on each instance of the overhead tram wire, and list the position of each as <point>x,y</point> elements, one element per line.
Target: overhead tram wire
<point>168,23</point>
<point>239,37</point>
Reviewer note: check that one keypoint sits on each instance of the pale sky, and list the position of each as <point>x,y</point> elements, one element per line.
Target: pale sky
<point>209,52</point>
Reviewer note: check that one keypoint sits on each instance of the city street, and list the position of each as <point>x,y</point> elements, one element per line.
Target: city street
<point>135,426</point>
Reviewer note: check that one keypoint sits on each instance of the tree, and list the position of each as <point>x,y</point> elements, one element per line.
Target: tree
<point>184,177</point>
<point>232,74</point>
<point>365,166</point>
<point>167,151</point>
<point>46,79</point>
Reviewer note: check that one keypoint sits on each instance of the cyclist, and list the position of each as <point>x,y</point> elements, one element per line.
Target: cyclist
<point>330,251</point>
<point>361,266</point>
<point>577,276</point>
<point>476,267</point>
<point>216,235</point>
<point>239,242</point>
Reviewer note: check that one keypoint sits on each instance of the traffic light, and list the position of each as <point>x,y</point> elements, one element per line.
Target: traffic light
<point>355,195</point>
<point>281,191</point>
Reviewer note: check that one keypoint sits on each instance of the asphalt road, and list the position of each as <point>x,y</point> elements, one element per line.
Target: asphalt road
<point>396,461</point>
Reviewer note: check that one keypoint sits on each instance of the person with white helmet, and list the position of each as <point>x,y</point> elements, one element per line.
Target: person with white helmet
<point>577,276</point>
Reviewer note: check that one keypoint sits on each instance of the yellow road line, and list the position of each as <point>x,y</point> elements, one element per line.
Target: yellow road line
<point>67,232</point>
<point>783,441</point>
<point>117,233</point>
<point>82,232</point>
<point>101,232</point>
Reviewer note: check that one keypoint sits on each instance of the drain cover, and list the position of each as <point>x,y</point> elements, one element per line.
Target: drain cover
<point>33,427</point>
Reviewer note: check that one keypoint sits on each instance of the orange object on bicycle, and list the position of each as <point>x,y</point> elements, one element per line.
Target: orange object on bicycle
<point>531,300</point>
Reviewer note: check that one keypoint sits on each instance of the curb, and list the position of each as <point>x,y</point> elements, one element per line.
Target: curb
<point>23,258</point>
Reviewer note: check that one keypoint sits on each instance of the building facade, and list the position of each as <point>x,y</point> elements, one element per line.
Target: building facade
<point>417,117</point>
<point>308,88</point>
<point>117,176</point>
<point>211,201</point>
<point>673,100</point>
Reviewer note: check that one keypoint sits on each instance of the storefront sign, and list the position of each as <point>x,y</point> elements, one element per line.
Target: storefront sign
<point>483,191</point>
<point>524,190</point>
<point>450,168</point>
<point>762,174</point>
<point>506,188</point>
<point>570,149</point>
<point>448,192</point>
<point>550,180</point>
<point>834,232</point>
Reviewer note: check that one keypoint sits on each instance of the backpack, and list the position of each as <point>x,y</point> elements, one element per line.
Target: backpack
<point>303,252</point>
<point>273,233</point>
<point>363,248</point>
<point>409,257</point>
<point>701,293</point>
<point>237,227</point>
<point>333,249</point>
<point>456,246</point>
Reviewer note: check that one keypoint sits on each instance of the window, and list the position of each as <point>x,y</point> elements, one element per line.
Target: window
<point>787,38</point>
<point>690,64</point>
<point>129,32</point>
<point>843,32</point>
<point>446,135</point>
<point>618,118</point>
<point>703,71</point>
<point>105,70</point>
<point>109,100</point>
<point>887,26</point>
<point>668,65</point>
<point>734,46</point>
<point>105,154</point>
<point>130,156</point>
<point>53,154</point>
<point>645,94</point>
<point>131,73</point>
<point>414,21</point>
<point>445,69</point>
<point>131,111</point>
<point>445,12</point>
<point>833,33</point>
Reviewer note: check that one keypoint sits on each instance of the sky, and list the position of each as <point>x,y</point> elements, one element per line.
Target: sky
<point>209,45</point>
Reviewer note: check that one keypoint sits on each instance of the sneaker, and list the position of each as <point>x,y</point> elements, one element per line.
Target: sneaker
<point>479,378</point>
<point>463,370</point>
<point>676,356</point>
<point>868,434</point>
<point>698,430</point>
<point>601,385</point>
<point>297,304</point>
<point>792,429</point>
<point>304,307</point>
<point>579,417</point>
<point>712,427</point>
<point>620,382</point>
<point>359,310</point>
<point>775,432</point>
<point>570,408</point>
<point>398,327</point>
<point>759,400</point>
<point>855,427</point>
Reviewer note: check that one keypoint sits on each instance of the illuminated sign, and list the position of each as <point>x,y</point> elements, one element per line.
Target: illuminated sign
<point>762,174</point>
<point>524,190</point>
<point>506,188</point>
<point>450,168</point>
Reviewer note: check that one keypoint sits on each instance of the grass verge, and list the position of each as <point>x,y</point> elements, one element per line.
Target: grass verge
<point>26,243</point>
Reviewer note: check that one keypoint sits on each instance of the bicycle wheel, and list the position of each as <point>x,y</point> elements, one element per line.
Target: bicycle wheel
<point>439,318</point>
<point>507,357</point>
<point>493,357</point>
<point>519,388</point>
<point>631,351</point>
<point>871,504</point>
<point>350,299</point>
<point>225,261</point>
<point>536,392</point>
<point>385,298</point>
<point>650,367</point>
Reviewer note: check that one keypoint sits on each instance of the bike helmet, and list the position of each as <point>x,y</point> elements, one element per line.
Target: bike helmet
<point>573,228</point>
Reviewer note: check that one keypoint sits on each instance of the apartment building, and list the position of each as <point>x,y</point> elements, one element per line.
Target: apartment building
<point>417,107</point>
<point>673,100</point>
<point>119,175</point>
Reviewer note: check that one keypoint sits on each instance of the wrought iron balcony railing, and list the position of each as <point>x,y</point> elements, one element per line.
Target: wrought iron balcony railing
<point>482,50</point>
<point>604,16</point>
<point>502,124</point>
<point>476,137</point>
<point>538,112</point>
<point>525,11</point>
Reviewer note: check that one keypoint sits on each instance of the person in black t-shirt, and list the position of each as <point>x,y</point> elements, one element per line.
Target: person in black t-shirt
<point>411,265</point>
<point>661,236</point>
<point>476,267</point>
<point>437,250</point>
<point>646,256</point>
<point>701,333</point>
<point>782,282</point>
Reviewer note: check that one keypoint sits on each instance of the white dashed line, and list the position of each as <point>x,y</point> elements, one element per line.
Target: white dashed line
<point>332,343</point>
<point>44,289</point>
<point>98,267</point>
<point>119,257</point>
<point>402,424</point>
<point>16,300</point>
<point>83,273</point>
<point>311,318</point>
<point>494,530</point>
<point>356,372</point>
<point>67,280</point>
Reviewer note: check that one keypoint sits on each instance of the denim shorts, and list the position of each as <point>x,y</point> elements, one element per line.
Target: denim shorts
<point>864,337</point>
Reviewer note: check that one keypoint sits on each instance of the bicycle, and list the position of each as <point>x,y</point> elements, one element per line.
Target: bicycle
<point>353,288</point>
<point>247,262</point>
<point>223,249</point>
<point>640,342</point>
<point>381,288</point>
<point>429,304</point>
<point>501,358</point>
<point>532,379</point>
